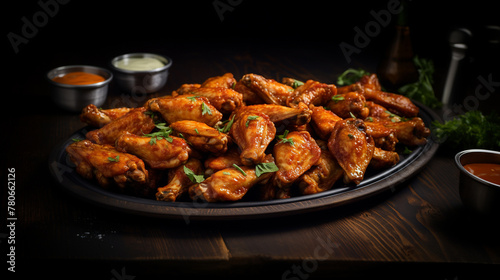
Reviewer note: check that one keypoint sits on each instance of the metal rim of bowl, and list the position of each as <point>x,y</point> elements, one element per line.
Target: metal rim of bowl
<point>81,68</point>
<point>164,59</point>
<point>460,166</point>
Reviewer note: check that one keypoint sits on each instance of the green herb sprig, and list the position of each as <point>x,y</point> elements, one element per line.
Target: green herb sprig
<point>164,133</point>
<point>422,89</point>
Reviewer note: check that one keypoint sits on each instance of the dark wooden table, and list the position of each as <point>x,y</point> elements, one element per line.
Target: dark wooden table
<point>418,229</point>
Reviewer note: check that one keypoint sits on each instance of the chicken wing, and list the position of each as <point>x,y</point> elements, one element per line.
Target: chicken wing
<point>96,117</point>
<point>295,153</point>
<point>384,137</point>
<point>323,176</point>
<point>250,97</point>
<point>158,153</point>
<point>252,132</point>
<point>348,104</point>
<point>225,100</point>
<point>312,92</point>
<point>352,148</point>
<point>229,184</point>
<point>137,121</point>
<point>179,182</point>
<point>201,136</point>
<point>323,121</point>
<point>226,160</point>
<point>225,81</point>
<point>107,165</point>
<point>185,107</point>
<point>299,115</point>
<point>412,132</point>
<point>383,159</point>
<point>269,90</point>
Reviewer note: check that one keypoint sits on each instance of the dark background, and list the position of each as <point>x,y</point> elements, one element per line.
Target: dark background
<point>81,31</point>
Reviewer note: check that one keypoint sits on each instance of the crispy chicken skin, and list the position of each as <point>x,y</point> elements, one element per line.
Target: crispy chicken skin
<point>136,122</point>
<point>201,136</point>
<point>271,91</point>
<point>159,153</point>
<point>106,164</point>
<point>352,148</point>
<point>185,107</point>
<point>252,131</point>
<point>179,182</point>
<point>229,184</point>
<point>225,100</point>
<point>312,93</point>
<point>323,175</point>
<point>96,117</point>
<point>294,156</point>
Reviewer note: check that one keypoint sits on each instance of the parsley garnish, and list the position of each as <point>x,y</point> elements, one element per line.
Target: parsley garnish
<point>205,109</point>
<point>297,83</point>
<point>192,98</point>
<point>192,176</point>
<point>265,167</point>
<point>350,76</point>
<point>422,89</point>
<point>239,169</point>
<point>164,133</point>
<point>283,138</point>
<point>250,118</point>
<point>227,126</point>
<point>115,159</point>
<point>337,98</point>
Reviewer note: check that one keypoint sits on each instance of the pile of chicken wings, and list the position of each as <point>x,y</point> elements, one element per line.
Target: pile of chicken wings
<point>217,140</point>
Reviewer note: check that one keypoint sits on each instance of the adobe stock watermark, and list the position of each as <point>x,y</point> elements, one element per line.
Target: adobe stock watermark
<point>372,29</point>
<point>322,251</point>
<point>31,26</point>
<point>222,6</point>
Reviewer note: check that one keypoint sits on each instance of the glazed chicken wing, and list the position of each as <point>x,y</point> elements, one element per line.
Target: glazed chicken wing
<point>299,115</point>
<point>229,184</point>
<point>352,148</point>
<point>136,122</point>
<point>179,182</point>
<point>185,107</point>
<point>252,132</point>
<point>225,100</point>
<point>96,117</point>
<point>107,165</point>
<point>295,153</point>
<point>269,90</point>
<point>412,132</point>
<point>312,92</point>
<point>201,136</point>
<point>226,160</point>
<point>250,97</point>
<point>323,176</point>
<point>225,81</point>
<point>157,153</point>
<point>343,105</point>
<point>323,121</point>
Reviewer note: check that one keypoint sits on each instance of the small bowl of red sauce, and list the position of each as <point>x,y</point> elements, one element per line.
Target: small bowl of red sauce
<point>480,180</point>
<point>76,86</point>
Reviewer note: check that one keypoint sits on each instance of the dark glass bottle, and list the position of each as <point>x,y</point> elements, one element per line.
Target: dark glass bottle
<point>397,68</point>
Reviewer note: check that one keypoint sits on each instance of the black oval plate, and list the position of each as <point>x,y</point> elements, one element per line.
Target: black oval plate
<point>63,170</point>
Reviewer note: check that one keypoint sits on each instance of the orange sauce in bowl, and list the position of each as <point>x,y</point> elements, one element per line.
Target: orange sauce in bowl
<point>79,78</point>
<point>486,171</point>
